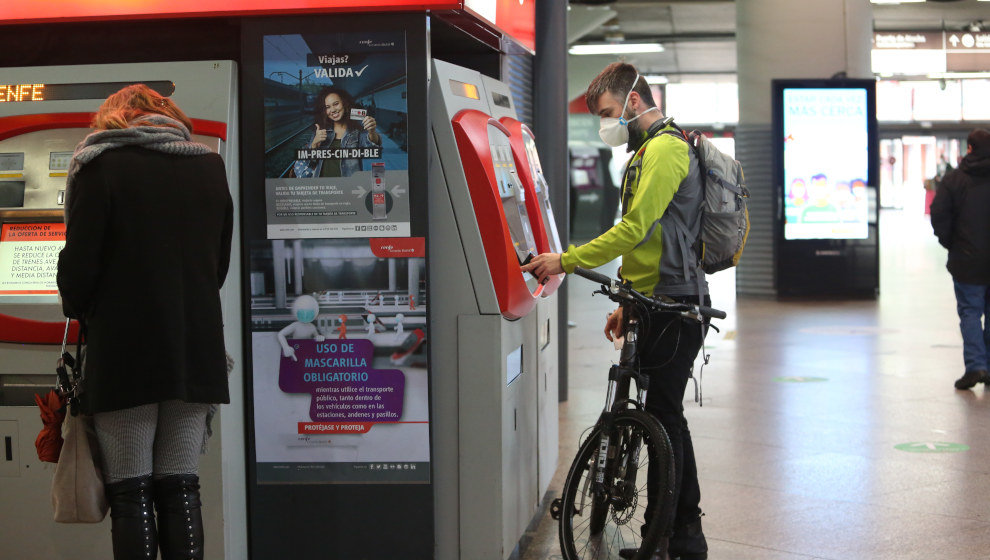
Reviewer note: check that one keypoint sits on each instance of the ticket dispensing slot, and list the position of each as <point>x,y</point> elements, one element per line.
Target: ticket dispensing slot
<point>501,209</point>
<point>527,161</point>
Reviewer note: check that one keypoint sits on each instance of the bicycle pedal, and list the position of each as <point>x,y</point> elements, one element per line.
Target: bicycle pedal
<point>556,507</point>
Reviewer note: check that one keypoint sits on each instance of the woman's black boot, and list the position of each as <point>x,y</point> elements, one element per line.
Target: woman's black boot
<point>133,519</point>
<point>180,522</point>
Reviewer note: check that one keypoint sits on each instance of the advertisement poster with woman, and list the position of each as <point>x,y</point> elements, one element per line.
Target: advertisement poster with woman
<point>826,163</point>
<point>339,350</point>
<point>336,142</point>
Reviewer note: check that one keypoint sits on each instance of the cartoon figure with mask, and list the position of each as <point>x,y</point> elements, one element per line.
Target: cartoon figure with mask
<point>305,309</point>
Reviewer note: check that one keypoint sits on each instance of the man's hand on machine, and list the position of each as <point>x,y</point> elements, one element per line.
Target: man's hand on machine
<point>613,326</point>
<point>543,266</point>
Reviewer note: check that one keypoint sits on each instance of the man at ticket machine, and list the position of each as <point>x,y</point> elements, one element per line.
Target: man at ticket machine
<point>659,180</point>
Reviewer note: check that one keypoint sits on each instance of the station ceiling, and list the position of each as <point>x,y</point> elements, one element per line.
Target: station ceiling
<point>699,35</point>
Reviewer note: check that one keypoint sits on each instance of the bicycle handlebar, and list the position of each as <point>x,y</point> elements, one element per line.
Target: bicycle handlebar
<point>596,277</point>
<point>615,288</point>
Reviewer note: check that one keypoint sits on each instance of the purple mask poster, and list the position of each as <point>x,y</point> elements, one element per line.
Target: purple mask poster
<point>346,392</point>
<point>339,354</point>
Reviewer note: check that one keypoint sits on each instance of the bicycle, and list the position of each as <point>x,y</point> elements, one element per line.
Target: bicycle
<point>604,504</point>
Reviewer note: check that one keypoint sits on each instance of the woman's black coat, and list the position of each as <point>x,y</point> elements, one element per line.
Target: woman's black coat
<point>147,250</point>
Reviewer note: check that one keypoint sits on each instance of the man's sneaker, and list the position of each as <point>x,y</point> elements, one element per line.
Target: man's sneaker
<point>971,378</point>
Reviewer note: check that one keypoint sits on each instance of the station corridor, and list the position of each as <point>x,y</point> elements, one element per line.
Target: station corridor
<point>830,429</point>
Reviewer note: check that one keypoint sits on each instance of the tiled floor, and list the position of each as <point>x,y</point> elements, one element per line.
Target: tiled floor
<point>806,467</point>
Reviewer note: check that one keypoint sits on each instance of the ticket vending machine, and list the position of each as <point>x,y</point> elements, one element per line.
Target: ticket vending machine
<point>45,113</point>
<point>486,381</point>
<point>543,322</point>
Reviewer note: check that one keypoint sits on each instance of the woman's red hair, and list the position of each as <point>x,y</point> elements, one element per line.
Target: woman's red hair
<point>135,101</point>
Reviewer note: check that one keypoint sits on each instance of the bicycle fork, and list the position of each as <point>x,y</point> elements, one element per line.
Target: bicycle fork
<point>618,383</point>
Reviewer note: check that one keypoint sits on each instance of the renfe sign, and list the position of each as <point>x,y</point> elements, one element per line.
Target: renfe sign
<point>68,10</point>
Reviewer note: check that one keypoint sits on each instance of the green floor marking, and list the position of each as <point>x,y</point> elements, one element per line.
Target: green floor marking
<point>932,447</point>
<point>799,379</point>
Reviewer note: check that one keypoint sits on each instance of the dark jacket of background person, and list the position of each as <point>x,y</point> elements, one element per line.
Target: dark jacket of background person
<point>147,249</point>
<point>961,218</point>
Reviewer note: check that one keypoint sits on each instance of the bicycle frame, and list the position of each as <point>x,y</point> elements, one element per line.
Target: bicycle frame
<point>606,468</point>
<point>619,382</point>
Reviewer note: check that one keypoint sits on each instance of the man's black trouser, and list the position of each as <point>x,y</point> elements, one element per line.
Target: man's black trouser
<point>667,351</point>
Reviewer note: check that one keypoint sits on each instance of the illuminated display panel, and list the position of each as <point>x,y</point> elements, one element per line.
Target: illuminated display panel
<point>64,10</point>
<point>464,90</point>
<point>826,163</point>
<point>21,93</point>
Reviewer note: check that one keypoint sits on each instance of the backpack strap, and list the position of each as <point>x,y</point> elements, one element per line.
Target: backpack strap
<point>635,164</point>
<point>698,397</point>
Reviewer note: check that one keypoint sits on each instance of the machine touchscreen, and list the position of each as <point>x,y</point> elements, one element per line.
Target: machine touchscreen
<point>542,190</point>
<point>499,202</point>
<point>512,194</point>
<point>537,199</point>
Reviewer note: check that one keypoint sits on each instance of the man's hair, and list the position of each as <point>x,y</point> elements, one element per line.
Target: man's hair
<point>979,139</point>
<point>617,79</point>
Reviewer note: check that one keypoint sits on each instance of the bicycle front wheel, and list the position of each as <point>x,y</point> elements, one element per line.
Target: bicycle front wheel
<point>599,520</point>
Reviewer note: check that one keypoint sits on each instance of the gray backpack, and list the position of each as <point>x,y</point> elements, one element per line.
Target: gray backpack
<point>724,217</point>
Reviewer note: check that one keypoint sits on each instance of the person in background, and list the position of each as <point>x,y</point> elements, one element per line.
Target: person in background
<point>654,254</point>
<point>149,220</point>
<point>336,129</point>
<point>960,215</point>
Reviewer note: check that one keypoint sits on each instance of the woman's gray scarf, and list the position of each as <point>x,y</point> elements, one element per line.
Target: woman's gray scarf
<point>161,133</point>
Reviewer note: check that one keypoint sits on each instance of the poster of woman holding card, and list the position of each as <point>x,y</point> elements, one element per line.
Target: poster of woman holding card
<point>339,124</point>
<point>336,139</point>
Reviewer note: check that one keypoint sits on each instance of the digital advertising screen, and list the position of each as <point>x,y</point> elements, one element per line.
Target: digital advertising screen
<point>826,162</point>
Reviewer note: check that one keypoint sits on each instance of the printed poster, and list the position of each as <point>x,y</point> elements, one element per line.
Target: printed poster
<point>339,338</point>
<point>336,138</point>
<point>29,260</point>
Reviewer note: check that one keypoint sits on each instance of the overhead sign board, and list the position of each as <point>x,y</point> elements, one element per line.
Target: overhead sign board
<point>901,40</point>
<point>930,52</point>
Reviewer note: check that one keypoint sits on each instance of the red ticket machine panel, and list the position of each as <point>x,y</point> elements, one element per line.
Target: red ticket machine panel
<point>537,193</point>
<point>499,201</point>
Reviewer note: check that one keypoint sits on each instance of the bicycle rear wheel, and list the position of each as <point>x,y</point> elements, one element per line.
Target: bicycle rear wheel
<point>597,526</point>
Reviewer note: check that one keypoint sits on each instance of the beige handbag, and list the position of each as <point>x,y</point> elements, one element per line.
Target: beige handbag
<point>77,488</point>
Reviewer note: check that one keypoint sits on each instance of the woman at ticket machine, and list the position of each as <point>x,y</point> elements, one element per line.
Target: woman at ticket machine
<point>149,221</point>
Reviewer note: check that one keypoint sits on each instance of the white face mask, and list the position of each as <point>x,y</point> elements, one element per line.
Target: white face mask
<point>613,130</point>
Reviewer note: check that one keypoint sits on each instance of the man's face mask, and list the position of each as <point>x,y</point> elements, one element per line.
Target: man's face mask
<point>614,131</point>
